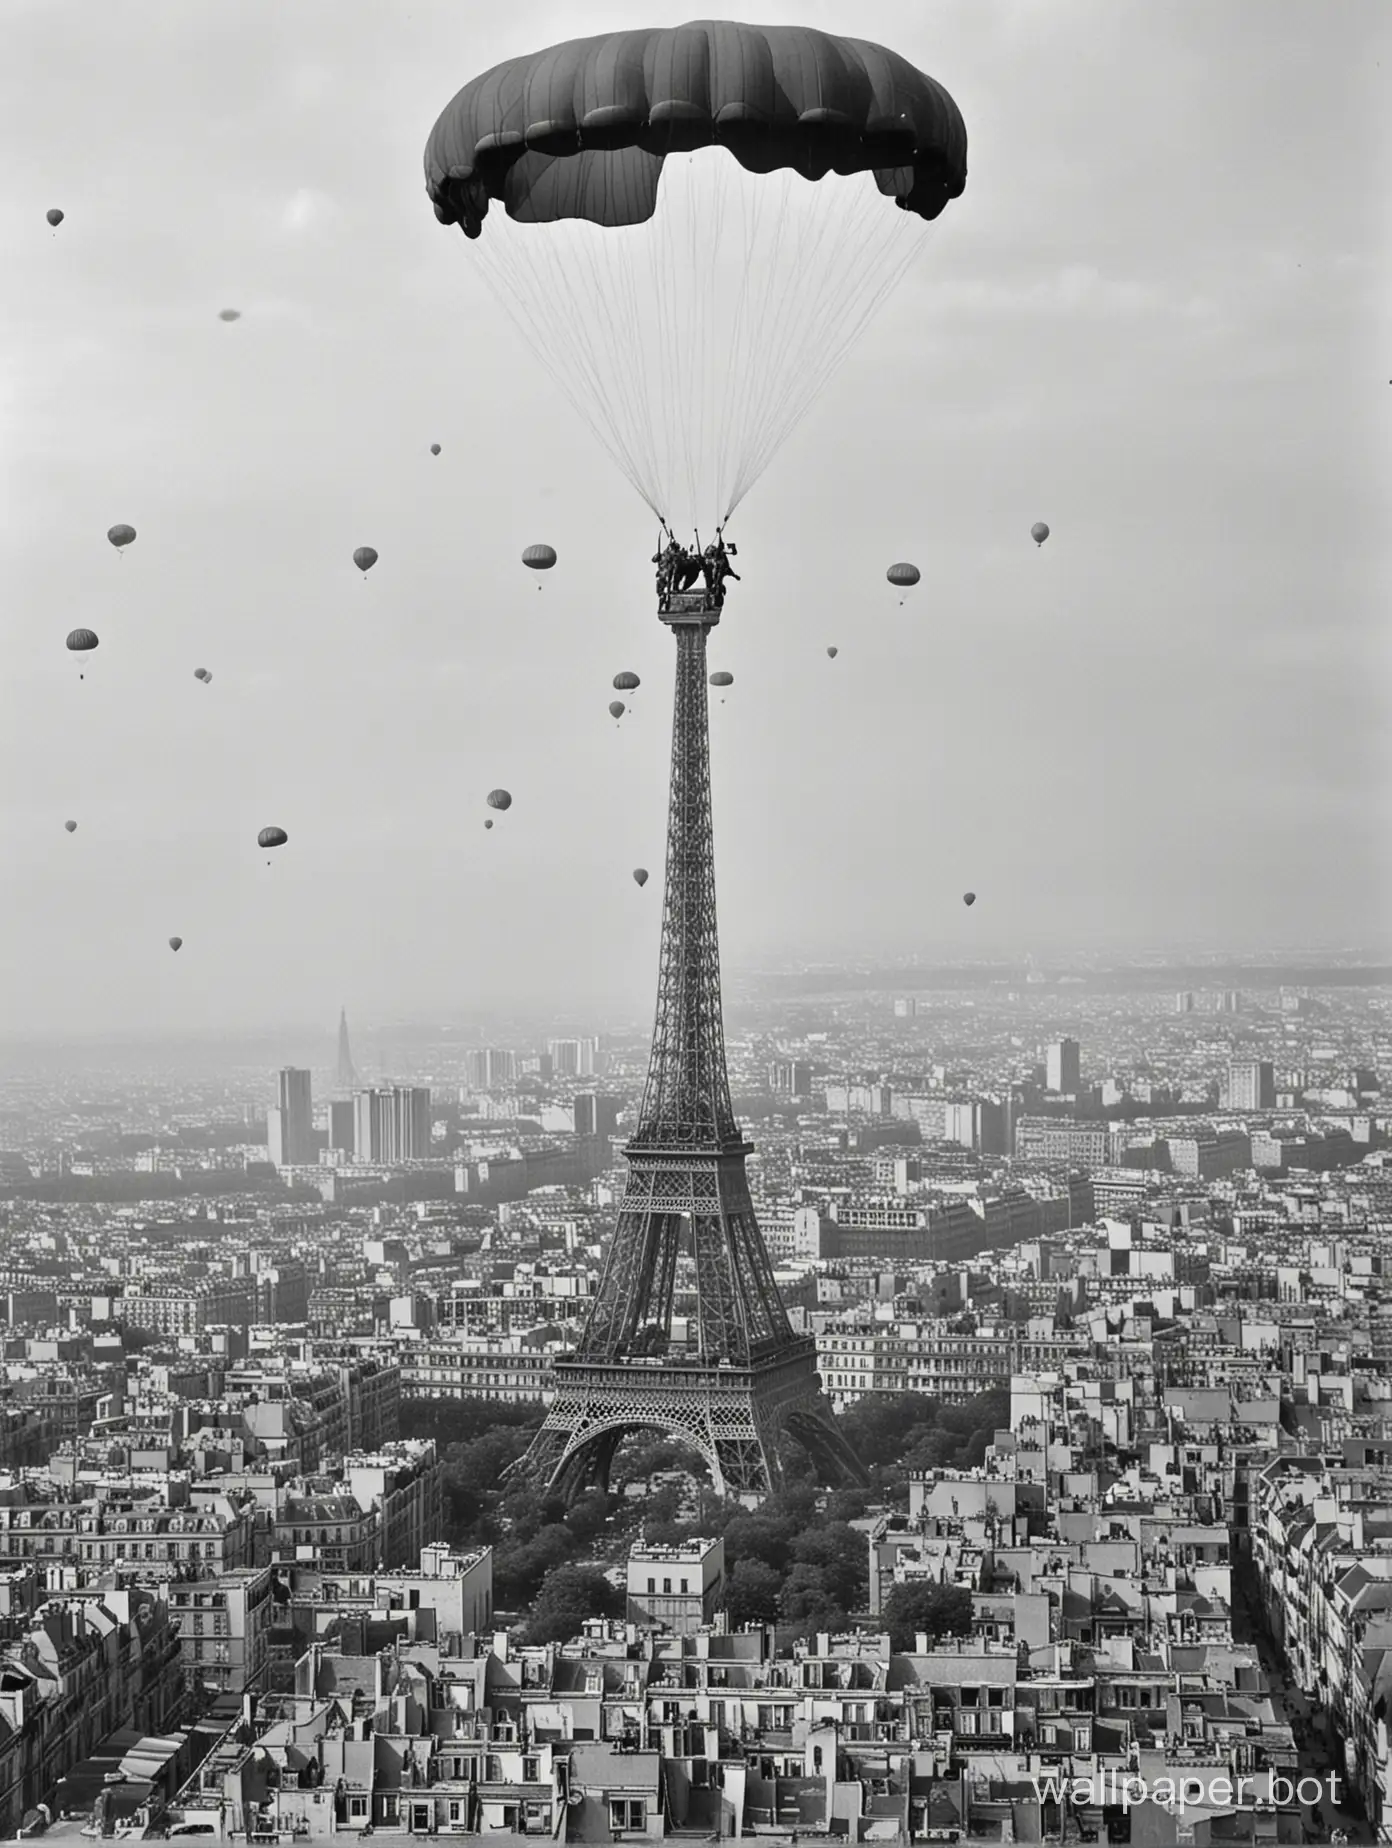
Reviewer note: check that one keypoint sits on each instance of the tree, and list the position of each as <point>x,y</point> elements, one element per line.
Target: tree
<point>926,1610</point>
<point>571,1595</point>
<point>839,1558</point>
<point>751,1593</point>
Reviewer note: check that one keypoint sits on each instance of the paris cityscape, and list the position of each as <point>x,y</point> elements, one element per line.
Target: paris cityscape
<point>696,1115</point>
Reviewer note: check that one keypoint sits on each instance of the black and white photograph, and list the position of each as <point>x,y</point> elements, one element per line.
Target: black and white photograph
<point>696,930</point>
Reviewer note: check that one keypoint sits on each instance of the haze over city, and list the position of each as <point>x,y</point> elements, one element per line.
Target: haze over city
<point>1153,322</point>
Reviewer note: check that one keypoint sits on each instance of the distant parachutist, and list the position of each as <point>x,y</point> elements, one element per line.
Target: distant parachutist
<point>1039,532</point>
<point>365,558</point>
<point>81,641</point>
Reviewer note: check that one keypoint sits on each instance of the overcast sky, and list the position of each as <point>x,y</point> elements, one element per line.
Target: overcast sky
<point>1157,319</point>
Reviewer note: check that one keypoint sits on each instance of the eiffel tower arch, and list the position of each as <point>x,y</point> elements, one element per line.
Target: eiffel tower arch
<point>740,1381</point>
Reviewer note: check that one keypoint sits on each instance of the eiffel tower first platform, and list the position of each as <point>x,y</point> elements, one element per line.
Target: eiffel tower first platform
<point>741,1380</point>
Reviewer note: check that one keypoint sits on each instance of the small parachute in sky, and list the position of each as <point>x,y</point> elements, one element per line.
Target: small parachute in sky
<point>832,653</point>
<point>176,943</point>
<point>229,314</point>
<point>272,837</point>
<point>1039,532</point>
<point>499,799</point>
<point>55,217</point>
<point>617,709</point>
<point>626,682</point>
<point>539,558</point>
<point>640,876</point>
<point>82,641</point>
<point>201,673</point>
<point>121,535</point>
<point>365,558</point>
<point>434,449</point>
<point>71,826</point>
<point>969,898</point>
<point>903,577</point>
<point>488,824</point>
<point>722,679</point>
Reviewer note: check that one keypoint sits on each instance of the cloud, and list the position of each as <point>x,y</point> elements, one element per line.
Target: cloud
<point>307,211</point>
<point>1077,289</point>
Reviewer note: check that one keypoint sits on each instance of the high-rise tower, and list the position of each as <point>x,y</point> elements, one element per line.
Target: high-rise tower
<point>740,1378</point>
<point>346,1077</point>
<point>290,1125</point>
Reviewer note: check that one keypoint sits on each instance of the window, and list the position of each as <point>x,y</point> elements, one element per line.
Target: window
<point>357,1806</point>
<point>652,1586</point>
<point>667,1585</point>
<point>626,1813</point>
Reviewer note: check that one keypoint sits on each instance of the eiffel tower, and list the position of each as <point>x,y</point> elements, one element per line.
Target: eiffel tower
<point>741,1378</point>
<point>346,1077</point>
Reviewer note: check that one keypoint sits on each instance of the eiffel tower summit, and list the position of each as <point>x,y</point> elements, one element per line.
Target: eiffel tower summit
<point>741,1380</point>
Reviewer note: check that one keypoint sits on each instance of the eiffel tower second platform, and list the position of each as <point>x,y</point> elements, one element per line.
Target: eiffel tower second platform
<point>736,1381</point>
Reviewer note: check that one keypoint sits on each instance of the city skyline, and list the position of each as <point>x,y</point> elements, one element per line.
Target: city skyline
<point>1158,660</point>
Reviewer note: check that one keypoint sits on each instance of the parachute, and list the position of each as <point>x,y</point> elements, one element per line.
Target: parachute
<point>905,576</point>
<point>55,217</point>
<point>722,679</point>
<point>121,535</point>
<point>71,826</point>
<point>82,641</point>
<point>697,223</point>
<point>640,876</point>
<point>488,824</point>
<point>201,673</point>
<point>969,898</point>
<point>272,837</point>
<point>1039,532</point>
<point>832,653</point>
<point>176,943</point>
<point>365,558</point>
<point>499,799</point>
<point>626,682</point>
<point>229,314</point>
<point>617,709</point>
<point>434,449</point>
<point>539,557</point>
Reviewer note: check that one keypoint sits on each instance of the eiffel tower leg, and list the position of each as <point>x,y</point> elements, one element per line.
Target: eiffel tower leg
<point>814,1426</point>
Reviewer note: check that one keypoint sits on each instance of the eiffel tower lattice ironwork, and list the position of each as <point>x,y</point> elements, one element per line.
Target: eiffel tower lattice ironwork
<point>741,1379</point>
<point>346,1077</point>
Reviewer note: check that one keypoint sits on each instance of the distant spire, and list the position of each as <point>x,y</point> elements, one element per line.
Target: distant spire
<point>346,1078</point>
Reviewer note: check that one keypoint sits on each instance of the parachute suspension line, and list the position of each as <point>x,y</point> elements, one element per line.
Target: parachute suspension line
<point>553,339</point>
<point>694,342</point>
<point>845,265</point>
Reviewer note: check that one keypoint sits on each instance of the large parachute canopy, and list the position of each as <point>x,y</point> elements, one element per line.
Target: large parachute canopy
<point>696,224</point>
<point>81,641</point>
<point>272,837</point>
